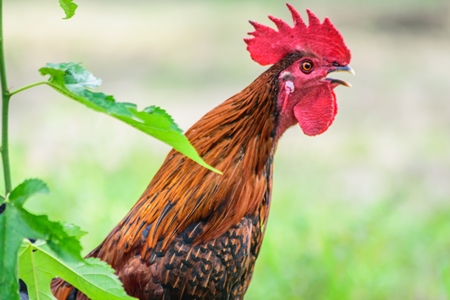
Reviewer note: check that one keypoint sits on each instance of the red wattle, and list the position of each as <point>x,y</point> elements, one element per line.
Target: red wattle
<point>316,111</point>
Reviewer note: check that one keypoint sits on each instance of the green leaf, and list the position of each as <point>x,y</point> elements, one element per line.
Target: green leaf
<point>74,81</point>
<point>69,8</point>
<point>30,271</point>
<point>96,279</point>
<point>62,238</point>
<point>17,224</point>
<point>27,189</point>
<point>73,230</point>
<point>12,232</point>
<point>66,244</point>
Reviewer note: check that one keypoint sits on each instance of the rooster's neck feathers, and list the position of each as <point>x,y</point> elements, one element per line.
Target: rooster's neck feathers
<point>238,138</point>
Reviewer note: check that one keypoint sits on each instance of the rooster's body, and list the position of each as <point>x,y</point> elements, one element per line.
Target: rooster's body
<point>195,234</point>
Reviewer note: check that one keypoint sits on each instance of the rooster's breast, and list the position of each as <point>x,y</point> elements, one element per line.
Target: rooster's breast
<point>218,269</point>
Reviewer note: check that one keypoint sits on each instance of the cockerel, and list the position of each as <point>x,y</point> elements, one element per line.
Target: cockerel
<point>195,234</point>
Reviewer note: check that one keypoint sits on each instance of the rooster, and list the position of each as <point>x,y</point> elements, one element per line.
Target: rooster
<point>195,234</point>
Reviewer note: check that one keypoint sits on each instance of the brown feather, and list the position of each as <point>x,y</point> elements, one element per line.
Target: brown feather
<point>190,210</point>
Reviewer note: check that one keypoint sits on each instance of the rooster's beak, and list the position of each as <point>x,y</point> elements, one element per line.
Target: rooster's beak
<point>338,81</point>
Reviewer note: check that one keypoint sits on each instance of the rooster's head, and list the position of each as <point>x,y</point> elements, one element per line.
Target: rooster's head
<point>305,93</point>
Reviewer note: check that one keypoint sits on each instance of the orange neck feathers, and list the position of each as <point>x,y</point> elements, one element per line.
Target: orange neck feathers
<point>238,138</point>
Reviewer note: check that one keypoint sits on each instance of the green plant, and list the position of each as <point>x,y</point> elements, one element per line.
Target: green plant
<point>55,250</point>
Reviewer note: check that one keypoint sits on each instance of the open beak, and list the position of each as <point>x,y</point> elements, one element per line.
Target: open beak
<point>336,82</point>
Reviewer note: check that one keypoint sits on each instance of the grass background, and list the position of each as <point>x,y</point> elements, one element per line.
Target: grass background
<point>360,212</point>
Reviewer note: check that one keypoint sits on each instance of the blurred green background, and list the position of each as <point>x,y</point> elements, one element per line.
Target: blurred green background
<point>360,212</point>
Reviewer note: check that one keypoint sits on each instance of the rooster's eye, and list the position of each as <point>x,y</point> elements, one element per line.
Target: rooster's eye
<point>306,66</point>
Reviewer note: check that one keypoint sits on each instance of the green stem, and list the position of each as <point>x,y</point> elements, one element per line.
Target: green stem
<point>5,108</point>
<point>26,87</point>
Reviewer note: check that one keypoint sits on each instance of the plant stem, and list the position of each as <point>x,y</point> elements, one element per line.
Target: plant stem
<point>5,108</point>
<point>26,87</point>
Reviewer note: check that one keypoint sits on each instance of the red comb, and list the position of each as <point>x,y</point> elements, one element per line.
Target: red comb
<point>269,46</point>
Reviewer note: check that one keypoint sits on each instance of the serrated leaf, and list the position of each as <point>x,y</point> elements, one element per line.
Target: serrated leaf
<point>12,232</point>
<point>74,81</point>
<point>96,279</point>
<point>27,189</point>
<point>73,230</point>
<point>33,273</point>
<point>54,233</point>
<point>17,224</point>
<point>69,8</point>
<point>63,238</point>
